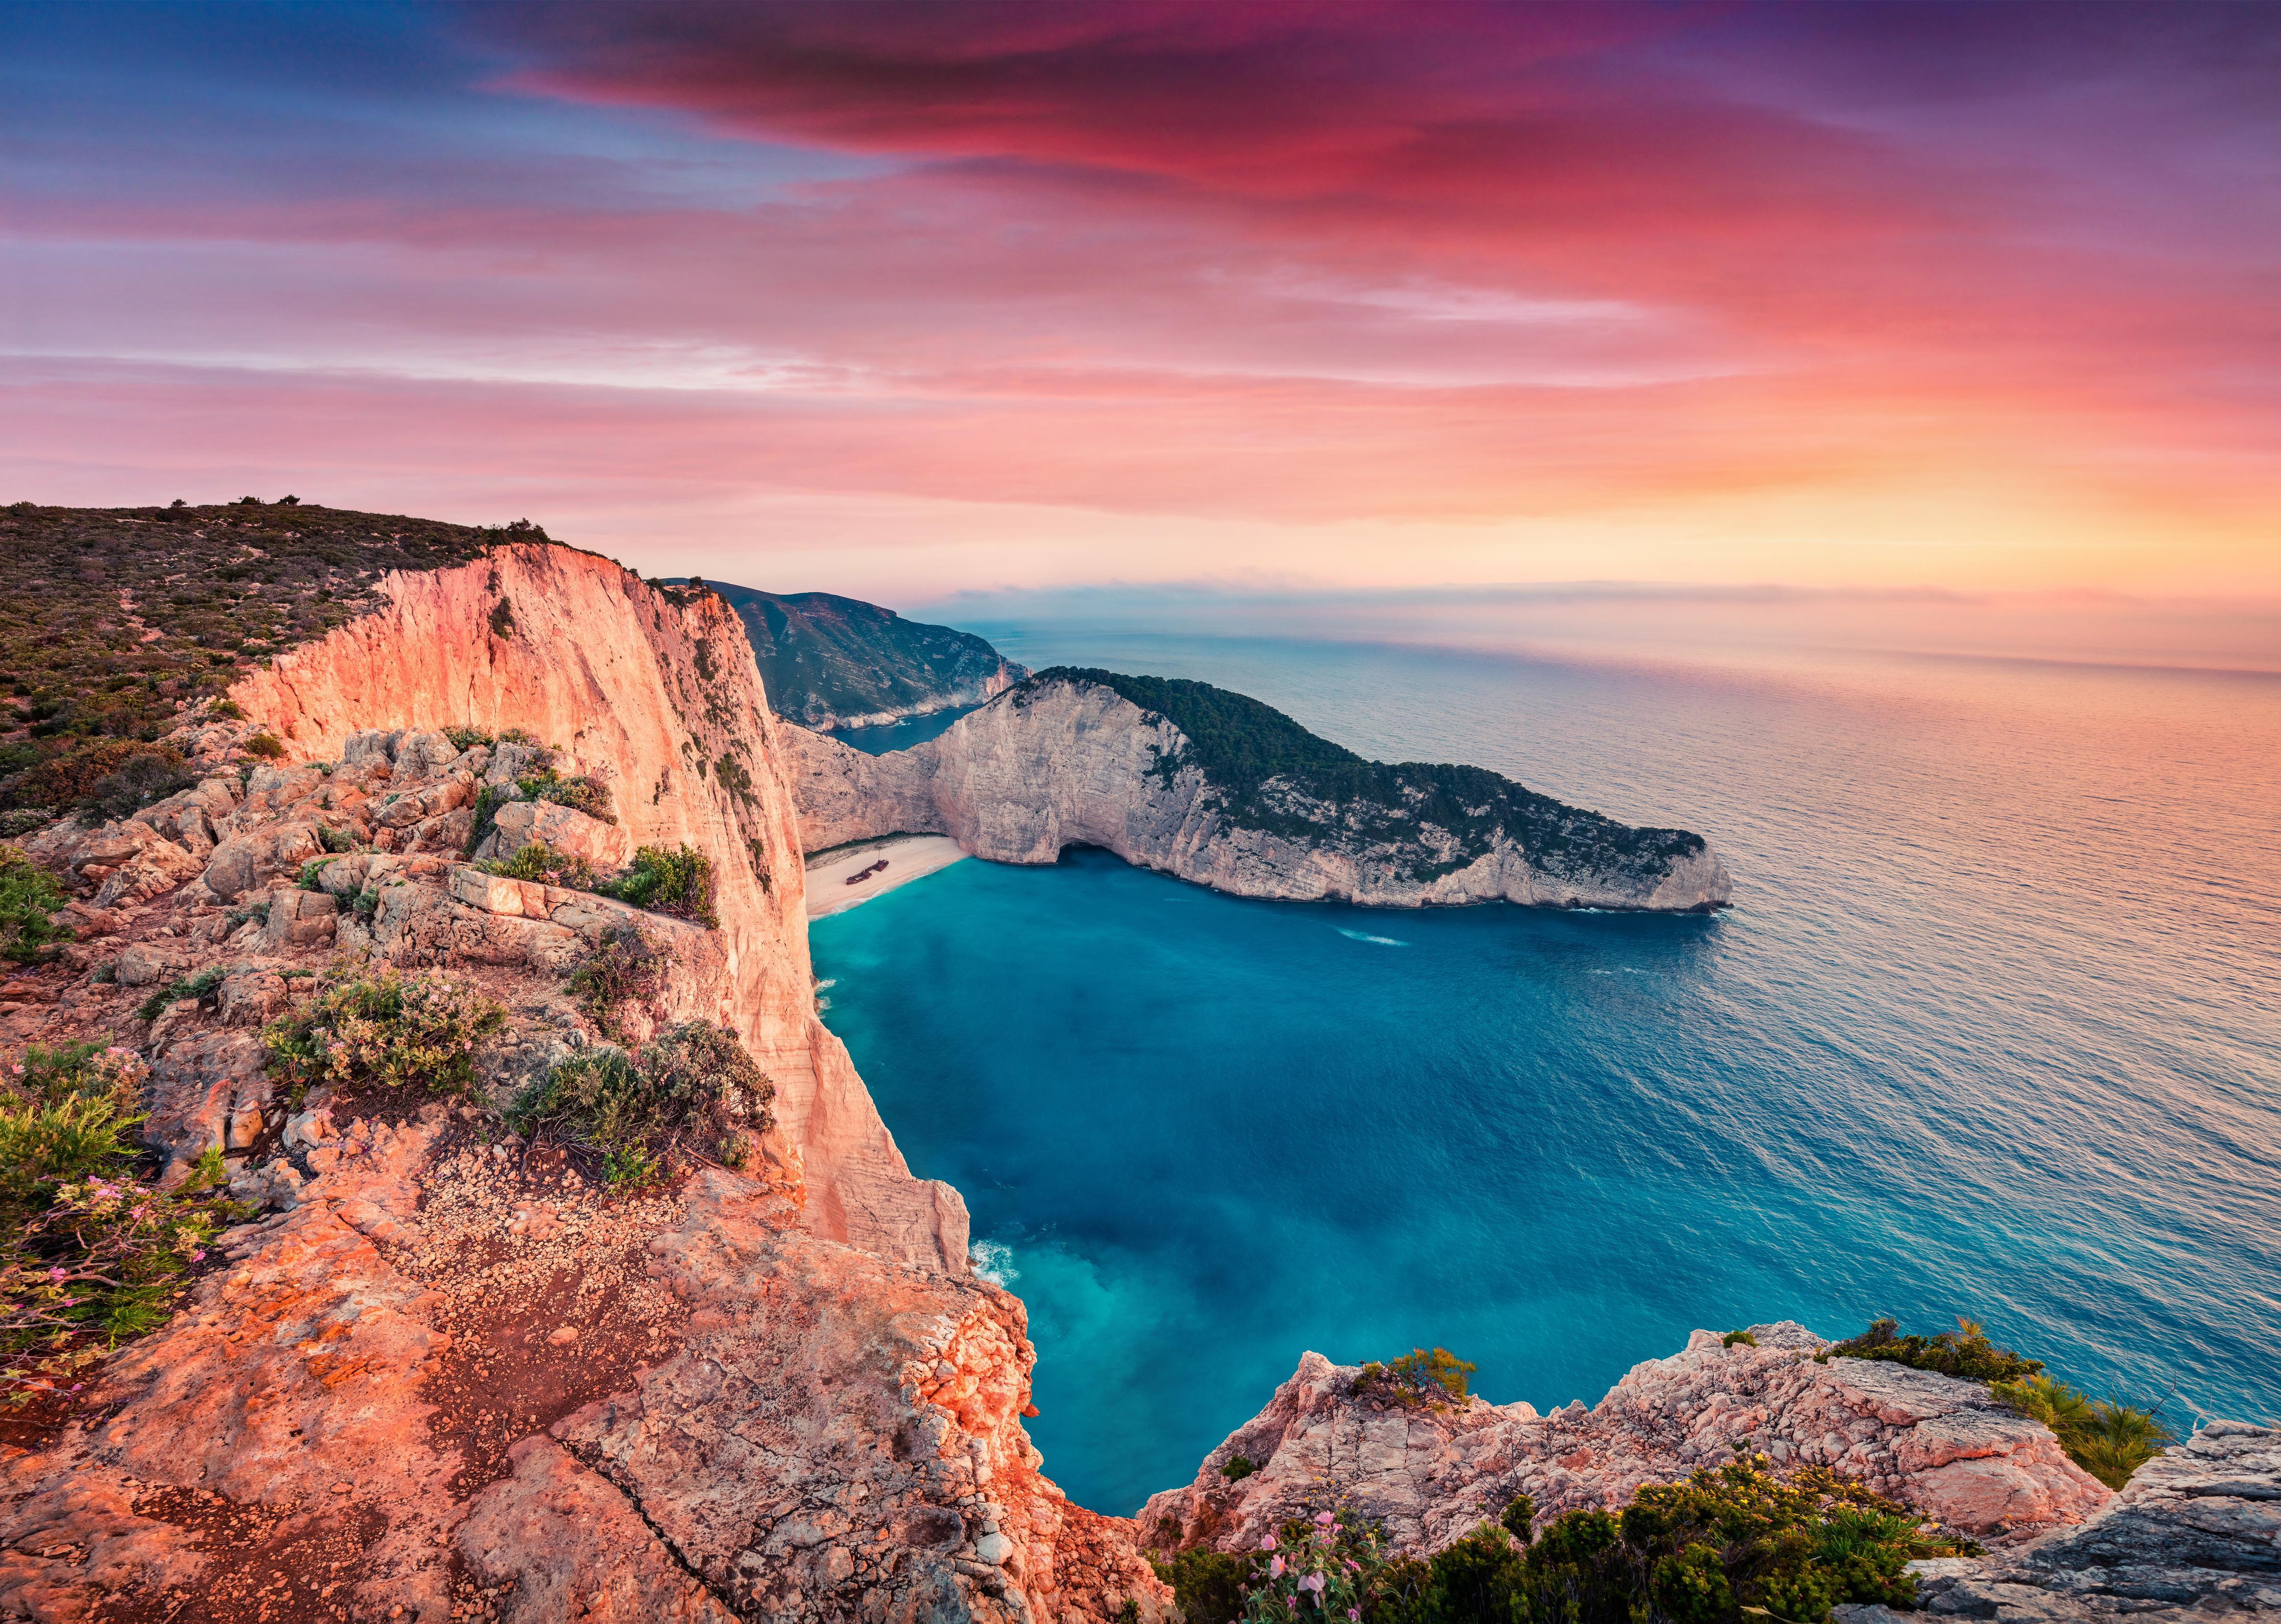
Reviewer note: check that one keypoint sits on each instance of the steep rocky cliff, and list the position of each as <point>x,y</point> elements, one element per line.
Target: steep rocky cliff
<point>835,662</point>
<point>654,692</point>
<point>1221,790</point>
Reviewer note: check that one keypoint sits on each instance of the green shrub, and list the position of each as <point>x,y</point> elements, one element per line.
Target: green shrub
<point>581,794</point>
<point>204,987</point>
<point>693,1092</point>
<point>29,899</point>
<point>365,903</point>
<point>337,841</point>
<point>268,746</point>
<point>488,799</point>
<point>466,738</point>
<point>1417,1379</point>
<point>624,968</point>
<point>89,1252</point>
<point>1742,1337</point>
<point>1207,1585</point>
<point>1965,1352</point>
<point>669,882</point>
<point>2108,1440</point>
<point>540,863</point>
<point>147,775</point>
<point>1729,1544</point>
<point>312,874</point>
<point>1238,1468</point>
<point>231,708</point>
<point>388,1031</point>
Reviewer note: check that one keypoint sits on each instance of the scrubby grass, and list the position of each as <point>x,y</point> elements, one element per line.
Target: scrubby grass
<point>90,1251</point>
<point>388,1031</point>
<point>624,968</point>
<point>1417,1380</point>
<point>678,882</point>
<point>2108,1440</point>
<point>29,899</point>
<point>224,588</point>
<point>694,1092</point>
<point>205,987</point>
<point>542,864</point>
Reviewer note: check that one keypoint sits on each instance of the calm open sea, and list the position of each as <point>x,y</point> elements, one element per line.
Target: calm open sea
<point>1993,1029</point>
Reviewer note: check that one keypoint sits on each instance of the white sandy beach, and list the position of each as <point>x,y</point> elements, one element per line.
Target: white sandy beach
<point>907,857</point>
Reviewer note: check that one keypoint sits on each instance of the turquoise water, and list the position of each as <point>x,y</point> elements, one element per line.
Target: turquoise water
<point>1992,1030</point>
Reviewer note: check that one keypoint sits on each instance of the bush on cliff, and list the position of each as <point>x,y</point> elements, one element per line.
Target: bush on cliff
<point>1730,1543</point>
<point>387,1031</point>
<point>540,863</point>
<point>678,882</point>
<point>29,899</point>
<point>90,1250</point>
<point>1418,1378</point>
<point>2108,1440</point>
<point>691,1093</point>
<point>626,968</point>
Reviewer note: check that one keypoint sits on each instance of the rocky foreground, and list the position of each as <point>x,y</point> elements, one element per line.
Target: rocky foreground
<point>1065,759</point>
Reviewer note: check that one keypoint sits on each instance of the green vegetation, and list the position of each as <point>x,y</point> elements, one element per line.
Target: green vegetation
<point>1238,1468</point>
<point>1738,1339</point>
<point>2108,1440</point>
<point>224,588</point>
<point>1269,773</point>
<point>1730,1543</point>
<point>1417,1380</point>
<point>694,1092</point>
<point>541,863</point>
<point>268,746</point>
<point>824,657</point>
<point>205,987</point>
<point>388,1031</point>
<point>678,882</point>
<point>90,1251</point>
<point>29,899</point>
<point>624,968</point>
<point>1965,1352</point>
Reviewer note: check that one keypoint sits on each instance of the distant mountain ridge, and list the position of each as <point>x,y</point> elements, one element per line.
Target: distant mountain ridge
<point>830,661</point>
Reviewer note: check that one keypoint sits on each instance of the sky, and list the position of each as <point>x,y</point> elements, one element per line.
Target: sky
<point>908,300</point>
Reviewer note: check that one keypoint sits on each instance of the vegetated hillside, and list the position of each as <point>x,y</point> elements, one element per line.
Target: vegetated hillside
<point>830,661</point>
<point>112,620</point>
<point>1272,774</point>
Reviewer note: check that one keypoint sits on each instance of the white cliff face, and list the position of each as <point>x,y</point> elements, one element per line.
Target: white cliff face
<point>1059,763</point>
<point>656,693</point>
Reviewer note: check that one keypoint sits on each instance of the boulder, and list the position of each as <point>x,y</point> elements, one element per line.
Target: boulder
<point>566,829</point>
<point>300,918</point>
<point>148,964</point>
<point>252,858</point>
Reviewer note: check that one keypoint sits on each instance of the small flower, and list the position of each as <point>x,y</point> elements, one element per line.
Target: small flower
<point>198,1254</point>
<point>60,1275</point>
<point>1324,1519</point>
<point>1354,1613</point>
<point>1312,1582</point>
<point>1275,1569</point>
<point>1267,1542</point>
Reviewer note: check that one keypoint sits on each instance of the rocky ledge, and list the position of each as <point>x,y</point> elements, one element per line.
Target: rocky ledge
<point>1218,789</point>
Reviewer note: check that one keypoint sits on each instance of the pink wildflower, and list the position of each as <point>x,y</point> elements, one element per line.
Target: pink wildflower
<point>1312,1582</point>
<point>1267,1542</point>
<point>1275,1569</point>
<point>1324,1519</point>
<point>60,1275</point>
<point>197,1254</point>
<point>1354,1613</point>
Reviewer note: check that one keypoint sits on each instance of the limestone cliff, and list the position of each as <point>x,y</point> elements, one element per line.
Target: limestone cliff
<point>1067,759</point>
<point>656,693</point>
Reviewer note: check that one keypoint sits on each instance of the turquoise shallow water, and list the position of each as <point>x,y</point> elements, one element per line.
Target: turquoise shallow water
<point>1992,1030</point>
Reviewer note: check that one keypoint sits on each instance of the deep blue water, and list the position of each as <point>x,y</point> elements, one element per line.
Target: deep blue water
<point>1992,1030</point>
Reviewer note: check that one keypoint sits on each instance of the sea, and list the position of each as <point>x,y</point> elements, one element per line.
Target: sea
<point>1992,1030</point>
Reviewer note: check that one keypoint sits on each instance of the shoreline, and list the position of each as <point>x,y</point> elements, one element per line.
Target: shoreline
<point>908,856</point>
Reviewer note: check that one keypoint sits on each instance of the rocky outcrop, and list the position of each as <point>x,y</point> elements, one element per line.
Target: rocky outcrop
<point>446,1383</point>
<point>654,692</point>
<point>1064,761</point>
<point>2196,1532</point>
<point>1942,1446</point>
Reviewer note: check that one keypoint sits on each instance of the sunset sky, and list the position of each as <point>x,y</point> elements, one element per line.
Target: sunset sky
<point>900,298</point>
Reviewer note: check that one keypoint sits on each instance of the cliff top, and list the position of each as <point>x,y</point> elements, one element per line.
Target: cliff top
<point>1273,775</point>
<point>112,618</point>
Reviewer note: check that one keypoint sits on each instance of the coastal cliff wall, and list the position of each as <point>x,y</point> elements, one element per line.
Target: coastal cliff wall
<point>654,691</point>
<point>1058,762</point>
